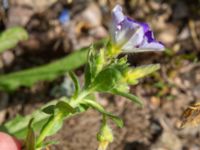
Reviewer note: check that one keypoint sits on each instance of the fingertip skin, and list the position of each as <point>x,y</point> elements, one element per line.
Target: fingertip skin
<point>8,142</point>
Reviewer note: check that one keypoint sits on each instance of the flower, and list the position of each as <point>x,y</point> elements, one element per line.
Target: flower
<point>132,36</point>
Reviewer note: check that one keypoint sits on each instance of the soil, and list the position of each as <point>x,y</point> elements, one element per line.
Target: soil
<point>165,94</point>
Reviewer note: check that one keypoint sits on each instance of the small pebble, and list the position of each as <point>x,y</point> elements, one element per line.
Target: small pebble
<point>8,57</point>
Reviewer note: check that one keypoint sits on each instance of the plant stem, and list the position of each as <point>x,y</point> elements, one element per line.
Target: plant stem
<point>47,128</point>
<point>51,121</point>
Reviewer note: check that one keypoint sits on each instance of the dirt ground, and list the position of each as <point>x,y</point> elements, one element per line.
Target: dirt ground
<point>165,94</point>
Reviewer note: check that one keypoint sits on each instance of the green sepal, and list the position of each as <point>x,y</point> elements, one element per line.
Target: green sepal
<point>108,47</point>
<point>89,66</point>
<point>99,108</point>
<point>30,138</point>
<point>129,96</point>
<point>100,61</point>
<point>105,134</point>
<point>87,75</point>
<point>96,61</point>
<point>112,49</point>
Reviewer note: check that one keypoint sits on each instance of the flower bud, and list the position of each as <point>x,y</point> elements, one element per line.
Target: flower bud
<point>104,137</point>
<point>133,74</point>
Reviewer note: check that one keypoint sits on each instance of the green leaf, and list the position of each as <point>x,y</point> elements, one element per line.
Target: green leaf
<point>30,138</point>
<point>76,83</point>
<point>99,108</point>
<point>107,79</point>
<point>51,127</point>
<point>18,126</point>
<point>65,108</point>
<point>10,37</point>
<point>55,121</point>
<point>49,109</point>
<point>48,72</point>
<point>131,97</point>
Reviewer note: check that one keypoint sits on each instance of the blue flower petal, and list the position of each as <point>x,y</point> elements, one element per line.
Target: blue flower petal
<point>133,36</point>
<point>153,46</point>
<point>145,26</point>
<point>149,36</point>
<point>117,14</point>
<point>125,30</point>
